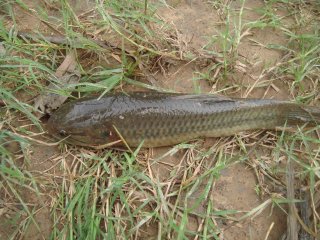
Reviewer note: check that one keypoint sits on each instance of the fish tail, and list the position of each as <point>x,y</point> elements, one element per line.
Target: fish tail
<point>314,113</point>
<point>308,115</point>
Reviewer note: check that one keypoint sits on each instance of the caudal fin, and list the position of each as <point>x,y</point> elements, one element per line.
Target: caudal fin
<point>314,114</point>
<point>308,115</point>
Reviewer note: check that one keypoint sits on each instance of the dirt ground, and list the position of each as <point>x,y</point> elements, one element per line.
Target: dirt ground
<point>195,21</point>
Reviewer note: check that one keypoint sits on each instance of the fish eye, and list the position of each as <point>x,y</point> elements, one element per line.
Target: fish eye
<point>63,133</point>
<point>105,134</point>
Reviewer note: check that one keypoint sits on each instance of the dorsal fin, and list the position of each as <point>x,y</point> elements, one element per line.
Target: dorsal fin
<point>204,98</point>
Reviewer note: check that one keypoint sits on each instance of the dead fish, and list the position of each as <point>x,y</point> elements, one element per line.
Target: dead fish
<point>163,119</point>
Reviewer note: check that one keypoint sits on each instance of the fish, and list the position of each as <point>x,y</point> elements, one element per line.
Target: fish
<point>163,119</point>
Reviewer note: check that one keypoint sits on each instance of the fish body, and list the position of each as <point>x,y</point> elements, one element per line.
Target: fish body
<point>162,119</point>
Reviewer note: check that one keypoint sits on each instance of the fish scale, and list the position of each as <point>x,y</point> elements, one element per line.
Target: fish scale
<point>161,119</point>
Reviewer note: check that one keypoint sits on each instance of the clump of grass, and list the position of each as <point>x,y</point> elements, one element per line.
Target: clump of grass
<point>300,64</point>
<point>14,181</point>
<point>227,41</point>
<point>109,194</point>
<point>304,64</point>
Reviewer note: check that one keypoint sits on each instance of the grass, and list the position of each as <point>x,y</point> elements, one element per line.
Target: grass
<point>163,194</point>
<point>13,179</point>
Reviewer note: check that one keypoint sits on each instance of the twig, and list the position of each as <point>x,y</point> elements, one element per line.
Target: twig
<point>305,213</point>
<point>292,229</point>
<point>58,39</point>
<point>110,144</point>
<point>303,225</point>
<point>269,231</point>
<point>39,141</point>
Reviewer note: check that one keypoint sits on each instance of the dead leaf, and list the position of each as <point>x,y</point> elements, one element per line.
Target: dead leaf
<point>2,211</point>
<point>2,50</point>
<point>68,65</point>
<point>65,74</point>
<point>116,57</point>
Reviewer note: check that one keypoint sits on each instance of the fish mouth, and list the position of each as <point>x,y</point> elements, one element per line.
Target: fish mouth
<point>54,132</point>
<point>76,140</point>
<point>70,140</point>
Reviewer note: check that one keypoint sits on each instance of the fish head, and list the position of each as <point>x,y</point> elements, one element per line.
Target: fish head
<point>80,128</point>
